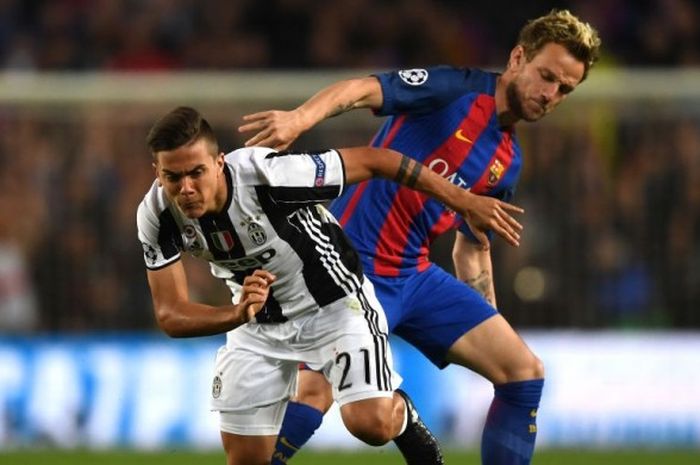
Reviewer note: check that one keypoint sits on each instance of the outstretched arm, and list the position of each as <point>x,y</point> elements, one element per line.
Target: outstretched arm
<point>278,129</point>
<point>481,213</point>
<point>178,317</point>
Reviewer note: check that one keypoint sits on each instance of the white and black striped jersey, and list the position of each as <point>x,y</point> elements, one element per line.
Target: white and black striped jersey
<point>272,220</point>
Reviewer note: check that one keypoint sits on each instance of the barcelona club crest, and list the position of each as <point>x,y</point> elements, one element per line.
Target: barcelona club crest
<point>495,172</point>
<point>222,240</point>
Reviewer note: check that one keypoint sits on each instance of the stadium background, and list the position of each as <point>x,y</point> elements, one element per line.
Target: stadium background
<point>605,286</point>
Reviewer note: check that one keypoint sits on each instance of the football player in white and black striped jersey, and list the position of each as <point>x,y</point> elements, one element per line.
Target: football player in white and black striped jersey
<point>298,289</point>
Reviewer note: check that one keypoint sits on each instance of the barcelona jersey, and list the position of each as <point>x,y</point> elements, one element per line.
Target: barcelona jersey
<point>445,118</point>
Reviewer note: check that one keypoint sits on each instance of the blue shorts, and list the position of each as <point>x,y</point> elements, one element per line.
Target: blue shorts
<point>430,310</point>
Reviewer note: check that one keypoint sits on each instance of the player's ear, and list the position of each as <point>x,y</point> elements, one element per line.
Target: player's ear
<point>517,57</point>
<point>155,171</point>
<point>220,162</point>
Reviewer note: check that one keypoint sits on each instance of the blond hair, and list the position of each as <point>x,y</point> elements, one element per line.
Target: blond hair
<point>563,28</point>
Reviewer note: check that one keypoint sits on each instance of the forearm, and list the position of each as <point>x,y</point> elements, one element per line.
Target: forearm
<point>190,319</point>
<point>473,266</point>
<point>362,163</point>
<point>481,280</point>
<point>339,98</point>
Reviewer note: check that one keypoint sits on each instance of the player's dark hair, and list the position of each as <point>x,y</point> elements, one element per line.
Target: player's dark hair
<point>182,126</point>
<point>565,29</point>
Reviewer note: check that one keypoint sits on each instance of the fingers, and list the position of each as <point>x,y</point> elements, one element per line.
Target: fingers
<point>256,116</point>
<point>264,138</point>
<point>264,274</point>
<point>508,222</point>
<point>259,139</point>
<point>259,278</point>
<point>252,304</point>
<point>510,207</point>
<point>256,289</point>
<point>498,220</point>
<point>504,227</point>
<point>257,122</point>
<point>254,126</point>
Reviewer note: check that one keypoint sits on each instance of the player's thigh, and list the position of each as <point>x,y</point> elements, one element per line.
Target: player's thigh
<point>246,377</point>
<point>497,352</point>
<point>437,309</point>
<point>355,355</point>
<point>248,450</point>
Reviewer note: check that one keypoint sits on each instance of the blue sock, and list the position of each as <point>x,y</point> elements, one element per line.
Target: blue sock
<point>300,423</point>
<point>510,430</point>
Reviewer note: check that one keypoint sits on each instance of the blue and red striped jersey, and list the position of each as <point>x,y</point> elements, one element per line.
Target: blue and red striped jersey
<point>445,118</point>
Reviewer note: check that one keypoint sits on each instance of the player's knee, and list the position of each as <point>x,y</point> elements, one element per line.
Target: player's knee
<point>538,369</point>
<point>529,368</point>
<point>314,390</point>
<point>319,396</point>
<point>374,426</point>
<point>374,430</point>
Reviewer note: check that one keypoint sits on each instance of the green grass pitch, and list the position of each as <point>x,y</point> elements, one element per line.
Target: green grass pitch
<point>380,457</point>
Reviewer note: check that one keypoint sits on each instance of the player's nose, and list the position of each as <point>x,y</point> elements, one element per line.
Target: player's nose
<point>186,185</point>
<point>549,91</point>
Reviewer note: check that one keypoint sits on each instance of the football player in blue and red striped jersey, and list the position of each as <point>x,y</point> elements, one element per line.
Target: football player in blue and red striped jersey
<point>460,124</point>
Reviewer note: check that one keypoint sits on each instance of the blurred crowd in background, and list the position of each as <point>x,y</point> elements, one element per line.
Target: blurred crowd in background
<point>132,35</point>
<point>613,205</point>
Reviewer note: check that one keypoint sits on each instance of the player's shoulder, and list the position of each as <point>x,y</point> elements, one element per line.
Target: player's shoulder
<point>151,207</point>
<point>246,153</point>
<point>445,80</point>
<point>469,79</point>
<point>246,157</point>
<point>246,164</point>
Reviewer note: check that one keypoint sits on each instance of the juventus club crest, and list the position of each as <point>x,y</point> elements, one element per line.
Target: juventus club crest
<point>222,240</point>
<point>216,387</point>
<point>256,233</point>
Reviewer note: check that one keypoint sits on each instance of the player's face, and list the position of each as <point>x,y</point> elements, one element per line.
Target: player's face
<point>539,85</point>
<point>192,178</point>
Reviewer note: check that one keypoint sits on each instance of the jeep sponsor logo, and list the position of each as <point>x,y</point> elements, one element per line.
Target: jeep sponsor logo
<point>251,261</point>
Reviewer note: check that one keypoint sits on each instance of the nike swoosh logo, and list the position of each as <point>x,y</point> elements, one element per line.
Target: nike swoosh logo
<point>462,137</point>
<point>288,444</point>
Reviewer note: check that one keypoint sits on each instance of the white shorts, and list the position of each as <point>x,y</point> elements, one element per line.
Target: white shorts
<point>256,371</point>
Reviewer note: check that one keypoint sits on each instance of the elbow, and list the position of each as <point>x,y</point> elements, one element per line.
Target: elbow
<point>172,332</point>
<point>167,323</point>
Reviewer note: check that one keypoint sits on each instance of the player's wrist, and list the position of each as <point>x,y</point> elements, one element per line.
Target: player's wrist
<point>240,315</point>
<point>467,201</point>
<point>304,119</point>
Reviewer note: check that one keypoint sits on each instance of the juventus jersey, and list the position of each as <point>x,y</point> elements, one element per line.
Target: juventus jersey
<point>272,219</point>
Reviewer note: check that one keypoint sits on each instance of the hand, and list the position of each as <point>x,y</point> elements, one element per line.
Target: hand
<point>275,129</point>
<point>256,288</point>
<point>486,213</point>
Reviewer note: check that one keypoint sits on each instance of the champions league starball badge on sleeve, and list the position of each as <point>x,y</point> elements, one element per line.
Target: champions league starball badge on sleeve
<point>414,77</point>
